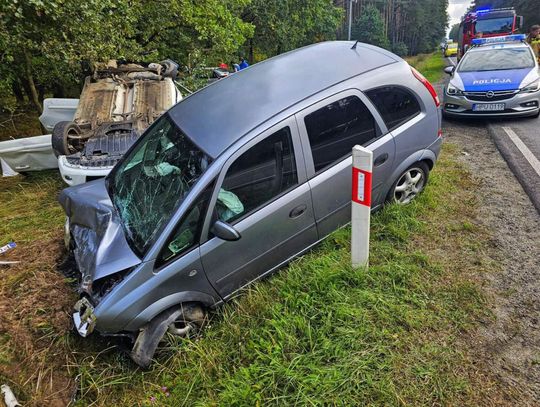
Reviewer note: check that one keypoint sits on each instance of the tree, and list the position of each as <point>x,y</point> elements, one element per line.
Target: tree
<point>44,42</point>
<point>418,24</point>
<point>282,25</point>
<point>454,32</point>
<point>369,28</point>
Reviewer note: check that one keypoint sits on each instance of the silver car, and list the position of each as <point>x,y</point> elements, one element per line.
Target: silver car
<point>496,77</point>
<point>238,179</point>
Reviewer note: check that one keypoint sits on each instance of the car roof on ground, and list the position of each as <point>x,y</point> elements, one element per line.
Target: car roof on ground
<point>220,114</point>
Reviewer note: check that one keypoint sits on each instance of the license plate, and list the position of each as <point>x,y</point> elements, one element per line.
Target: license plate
<point>488,107</point>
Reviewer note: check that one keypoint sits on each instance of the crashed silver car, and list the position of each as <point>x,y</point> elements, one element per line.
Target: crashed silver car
<point>215,196</point>
<point>117,103</point>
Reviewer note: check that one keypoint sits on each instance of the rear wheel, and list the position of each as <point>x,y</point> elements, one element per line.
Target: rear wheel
<point>62,138</point>
<point>409,184</point>
<point>170,68</point>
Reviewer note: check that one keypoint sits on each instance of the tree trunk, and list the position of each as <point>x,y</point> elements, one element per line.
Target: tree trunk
<point>18,92</point>
<point>33,91</point>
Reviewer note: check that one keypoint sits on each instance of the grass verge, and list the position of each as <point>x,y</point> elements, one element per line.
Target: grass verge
<point>318,332</point>
<point>431,65</point>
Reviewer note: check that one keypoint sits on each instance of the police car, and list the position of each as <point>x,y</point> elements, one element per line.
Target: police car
<point>497,76</point>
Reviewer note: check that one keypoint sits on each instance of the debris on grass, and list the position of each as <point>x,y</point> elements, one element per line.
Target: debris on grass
<point>9,397</point>
<point>8,247</point>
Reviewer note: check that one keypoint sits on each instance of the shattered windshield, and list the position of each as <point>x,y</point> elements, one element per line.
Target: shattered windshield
<point>153,179</point>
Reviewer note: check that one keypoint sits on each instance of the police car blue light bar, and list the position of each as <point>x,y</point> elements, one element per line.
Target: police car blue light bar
<point>499,40</point>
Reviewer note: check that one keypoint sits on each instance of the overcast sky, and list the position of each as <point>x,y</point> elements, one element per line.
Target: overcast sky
<point>456,9</point>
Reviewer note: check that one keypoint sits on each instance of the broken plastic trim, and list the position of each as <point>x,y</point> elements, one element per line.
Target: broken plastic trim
<point>83,317</point>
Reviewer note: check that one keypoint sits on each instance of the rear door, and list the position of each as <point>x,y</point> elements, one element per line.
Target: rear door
<point>263,193</point>
<point>329,130</point>
<point>402,114</point>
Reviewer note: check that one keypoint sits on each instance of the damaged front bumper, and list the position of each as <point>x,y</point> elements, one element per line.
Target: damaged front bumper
<point>84,317</point>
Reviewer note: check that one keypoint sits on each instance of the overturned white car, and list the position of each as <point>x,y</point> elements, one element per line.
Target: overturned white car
<point>118,102</point>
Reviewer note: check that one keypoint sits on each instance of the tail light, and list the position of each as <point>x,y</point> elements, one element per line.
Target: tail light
<point>439,133</point>
<point>428,86</point>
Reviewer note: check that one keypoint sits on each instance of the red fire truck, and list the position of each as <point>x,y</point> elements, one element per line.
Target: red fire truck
<point>487,23</point>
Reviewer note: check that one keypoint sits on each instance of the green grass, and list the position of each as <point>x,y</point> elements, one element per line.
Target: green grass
<point>323,333</point>
<point>431,65</point>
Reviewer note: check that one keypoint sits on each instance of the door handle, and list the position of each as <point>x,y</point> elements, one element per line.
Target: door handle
<point>296,212</point>
<point>380,160</point>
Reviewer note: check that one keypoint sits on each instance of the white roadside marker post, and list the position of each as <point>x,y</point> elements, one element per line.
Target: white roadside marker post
<point>362,167</point>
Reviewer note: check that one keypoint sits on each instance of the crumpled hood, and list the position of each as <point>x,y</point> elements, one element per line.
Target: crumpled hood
<point>101,247</point>
<point>510,79</point>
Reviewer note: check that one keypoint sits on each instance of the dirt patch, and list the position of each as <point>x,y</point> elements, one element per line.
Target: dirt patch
<point>34,326</point>
<point>505,347</point>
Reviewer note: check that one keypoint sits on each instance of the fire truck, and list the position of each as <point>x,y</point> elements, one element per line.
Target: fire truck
<point>487,23</point>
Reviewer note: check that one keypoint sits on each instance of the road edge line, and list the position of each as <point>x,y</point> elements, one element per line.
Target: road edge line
<point>506,154</point>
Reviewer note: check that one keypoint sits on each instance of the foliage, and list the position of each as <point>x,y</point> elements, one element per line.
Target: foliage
<point>454,32</point>
<point>49,58</point>
<point>431,65</point>
<point>369,28</point>
<point>282,25</point>
<point>400,48</point>
<point>419,24</point>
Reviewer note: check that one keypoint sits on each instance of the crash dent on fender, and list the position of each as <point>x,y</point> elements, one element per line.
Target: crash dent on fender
<point>168,302</point>
<point>101,248</point>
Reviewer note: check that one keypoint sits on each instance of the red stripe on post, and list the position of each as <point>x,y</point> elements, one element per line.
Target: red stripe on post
<point>361,187</point>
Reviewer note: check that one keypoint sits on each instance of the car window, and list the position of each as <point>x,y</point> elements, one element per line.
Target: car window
<point>336,128</point>
<point>497,60</point>
<point>257,177</point>
<point>395,104</point>
<point>494,25</point>
<point>188,231</point>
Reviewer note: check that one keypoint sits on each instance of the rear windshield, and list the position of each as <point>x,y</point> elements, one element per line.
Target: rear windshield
<point>496,60</point>
<point>495,25</point>
<point>153,179</point>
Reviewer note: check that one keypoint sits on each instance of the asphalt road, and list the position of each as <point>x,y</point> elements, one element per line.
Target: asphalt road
<point>518,141</point>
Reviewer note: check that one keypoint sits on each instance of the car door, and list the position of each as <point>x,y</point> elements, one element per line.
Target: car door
<point>401,111</point>
<point>329,130</point>
<point>262,193</point>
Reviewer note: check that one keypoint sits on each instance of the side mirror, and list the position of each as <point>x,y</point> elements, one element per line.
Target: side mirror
<point>520,22</point>
<point>225,231</point>
<point>449,70</point>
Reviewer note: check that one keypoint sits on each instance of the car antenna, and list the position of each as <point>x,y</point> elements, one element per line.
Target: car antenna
<point>355,44</point>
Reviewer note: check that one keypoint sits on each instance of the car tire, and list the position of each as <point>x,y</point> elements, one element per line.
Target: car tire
<point>191,314</point>
<point>409,184</point>
<point>60,136</point>
<point>170,68</point>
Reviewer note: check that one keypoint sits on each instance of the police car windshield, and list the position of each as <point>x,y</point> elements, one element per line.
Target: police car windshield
<point>496,60</point>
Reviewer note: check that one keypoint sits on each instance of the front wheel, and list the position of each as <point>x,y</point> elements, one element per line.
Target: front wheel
<point>182,320</point>
<point>409,184</point>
